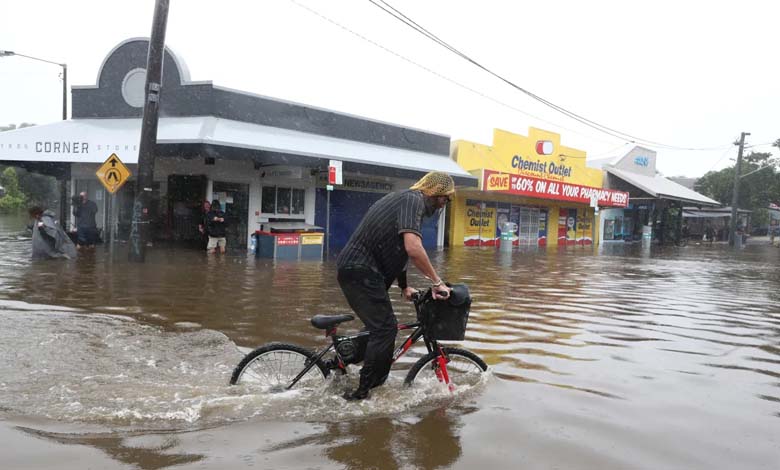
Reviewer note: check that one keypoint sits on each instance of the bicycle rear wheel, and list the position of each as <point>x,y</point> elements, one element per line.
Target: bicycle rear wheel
<point>274,366</point>
<point>463,368</point>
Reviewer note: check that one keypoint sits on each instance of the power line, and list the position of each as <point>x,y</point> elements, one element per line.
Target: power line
<point>610,150</point>
<point>395,13</point>
<point>437,74</point>
<point>761,145</point>
<point>719,160</point>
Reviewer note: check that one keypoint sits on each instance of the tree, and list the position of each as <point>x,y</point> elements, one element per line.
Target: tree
<point>759,186</point>
<point>36,188</point>
<point>13,199</point>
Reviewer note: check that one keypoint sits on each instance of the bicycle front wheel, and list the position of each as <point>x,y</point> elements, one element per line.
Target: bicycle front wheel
<point>463,367</point>
<point>274,366</point>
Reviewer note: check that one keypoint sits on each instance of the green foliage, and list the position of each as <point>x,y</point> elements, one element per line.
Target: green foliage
<point>760,217</point>
<point>14,199</point>
<point>38,190</point>
<point>759,185</point>
<point>34,188</point>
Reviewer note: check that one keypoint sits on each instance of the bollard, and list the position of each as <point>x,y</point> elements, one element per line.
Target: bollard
<point>507,236</point>
<point>647,234</point>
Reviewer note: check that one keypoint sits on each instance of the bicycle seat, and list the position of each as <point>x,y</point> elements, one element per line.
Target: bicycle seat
<point>324,322</point>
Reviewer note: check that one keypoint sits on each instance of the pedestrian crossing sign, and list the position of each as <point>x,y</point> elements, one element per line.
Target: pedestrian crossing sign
<point>113,173</point>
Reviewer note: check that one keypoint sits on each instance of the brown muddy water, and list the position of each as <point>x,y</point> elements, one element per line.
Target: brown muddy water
<point>618,358</point>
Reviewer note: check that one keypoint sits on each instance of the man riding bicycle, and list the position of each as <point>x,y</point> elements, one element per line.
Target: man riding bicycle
<point>377,255</point>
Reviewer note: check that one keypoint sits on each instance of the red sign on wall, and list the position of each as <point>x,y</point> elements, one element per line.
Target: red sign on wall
<point>287,239</point>
<point>546,189</point>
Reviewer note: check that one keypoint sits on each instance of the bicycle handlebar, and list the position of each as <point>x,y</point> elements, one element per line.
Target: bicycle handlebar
<point>421,296</point>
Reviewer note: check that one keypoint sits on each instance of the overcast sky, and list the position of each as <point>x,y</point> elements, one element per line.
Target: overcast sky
<point>683,73</point>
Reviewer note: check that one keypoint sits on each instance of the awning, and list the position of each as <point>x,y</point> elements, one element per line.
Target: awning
<point>94,140</point>
<point>662,188</point>
<point>704,214</point>
<point>693,212</point>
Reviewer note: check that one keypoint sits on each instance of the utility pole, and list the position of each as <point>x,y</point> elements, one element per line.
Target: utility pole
<point>139,230</point>
<point>735,197</point>
<point>64,92</point>
<point>63,182</point>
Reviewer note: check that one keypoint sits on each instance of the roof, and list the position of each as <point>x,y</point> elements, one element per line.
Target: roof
<point>119,94</point>
<point>601,163</point>
<point>662,188</point>
<point>94,140</point>
<point>684,181</point>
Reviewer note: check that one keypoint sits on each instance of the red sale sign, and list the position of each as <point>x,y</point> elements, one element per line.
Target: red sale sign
<point>557,190</point>
<point>287,239</point>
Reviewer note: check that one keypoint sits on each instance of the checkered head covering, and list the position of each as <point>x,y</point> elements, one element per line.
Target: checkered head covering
<point>435,183</point>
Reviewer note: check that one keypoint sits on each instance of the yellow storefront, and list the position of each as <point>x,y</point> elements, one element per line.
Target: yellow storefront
<point>535,182</point>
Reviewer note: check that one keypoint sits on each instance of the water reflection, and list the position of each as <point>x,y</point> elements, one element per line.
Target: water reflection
<point>425,442</point>
<point>150,452</point>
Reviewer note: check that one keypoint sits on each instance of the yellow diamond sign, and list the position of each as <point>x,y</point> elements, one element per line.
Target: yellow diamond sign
<point>113,173</point>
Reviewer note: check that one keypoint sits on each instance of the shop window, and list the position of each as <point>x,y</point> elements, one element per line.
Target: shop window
<point>298,198</point>
<point>268,205</point>
<point>283,201</point>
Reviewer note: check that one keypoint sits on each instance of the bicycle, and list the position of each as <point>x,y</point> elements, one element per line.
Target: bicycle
<point>280,366</point>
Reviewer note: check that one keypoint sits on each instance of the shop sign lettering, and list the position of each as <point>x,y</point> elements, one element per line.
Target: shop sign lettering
<point>546,189</point>
<point>498,182</point>
<point>479,217</point>
<point>547,170</point>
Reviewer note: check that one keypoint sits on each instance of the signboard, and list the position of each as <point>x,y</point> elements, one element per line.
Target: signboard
<point>335,175</point>
<point>287,239</point>
<point>289,172</point>
<point>546,189</point>
<point>362,183</point>
<point>312,238</point>
<point>480,224</point>
<point>113,173</point>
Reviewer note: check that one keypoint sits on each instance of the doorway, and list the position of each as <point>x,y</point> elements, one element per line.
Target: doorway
<point>185,198</point>
<point>234,199</point>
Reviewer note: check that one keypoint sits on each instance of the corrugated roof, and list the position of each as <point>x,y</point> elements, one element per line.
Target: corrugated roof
<point>660,187</point>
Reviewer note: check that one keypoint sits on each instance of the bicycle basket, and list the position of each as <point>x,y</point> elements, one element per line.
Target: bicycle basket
<point>447,319</point>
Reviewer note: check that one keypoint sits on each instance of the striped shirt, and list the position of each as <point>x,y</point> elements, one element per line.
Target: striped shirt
<point>378,241</point>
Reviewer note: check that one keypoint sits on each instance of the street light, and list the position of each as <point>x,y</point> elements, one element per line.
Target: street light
<point>64,77</point>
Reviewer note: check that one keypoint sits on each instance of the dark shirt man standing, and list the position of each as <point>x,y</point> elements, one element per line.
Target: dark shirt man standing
<point>376,255</point>
<point>86,227</point>
<point>217,228</point>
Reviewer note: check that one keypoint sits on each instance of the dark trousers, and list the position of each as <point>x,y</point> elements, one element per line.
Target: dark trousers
<point>87,236</point>
<point>366,293</point>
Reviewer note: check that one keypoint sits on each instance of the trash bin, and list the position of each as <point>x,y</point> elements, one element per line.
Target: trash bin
<point>279,246</point>
<point>289,241</point>
<point>507,236</point>
<point>311,245</point>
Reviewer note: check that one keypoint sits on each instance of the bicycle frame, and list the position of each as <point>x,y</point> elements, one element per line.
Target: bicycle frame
<point>419,332</point>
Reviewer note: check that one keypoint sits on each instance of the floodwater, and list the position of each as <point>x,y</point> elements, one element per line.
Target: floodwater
<point>618,358</point>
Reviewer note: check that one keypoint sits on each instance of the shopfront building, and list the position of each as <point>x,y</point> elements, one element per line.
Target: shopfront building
<point>533,181</point>
<point>656,204</point>
<point>262,158</point>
